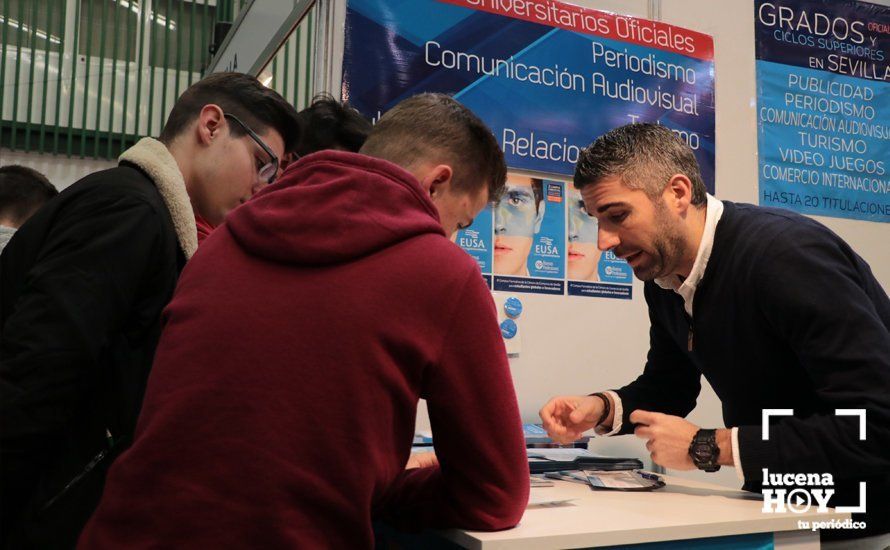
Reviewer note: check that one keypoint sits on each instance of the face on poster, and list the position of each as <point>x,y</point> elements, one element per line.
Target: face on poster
<point>517,220</point>
<point>584,255</point>
<point>585,260</point>
<point>528,229</point>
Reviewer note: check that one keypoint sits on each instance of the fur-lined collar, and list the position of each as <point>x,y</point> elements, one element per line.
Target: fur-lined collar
<point>155,160</point>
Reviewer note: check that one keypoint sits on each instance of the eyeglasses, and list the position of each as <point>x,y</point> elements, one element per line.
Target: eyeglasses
<point>269,170</point>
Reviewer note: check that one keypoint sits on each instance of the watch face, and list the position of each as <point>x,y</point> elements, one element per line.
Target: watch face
<point>702,451</point>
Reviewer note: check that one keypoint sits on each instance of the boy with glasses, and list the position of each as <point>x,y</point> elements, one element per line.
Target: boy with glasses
<point>267,168</point>
<point>326,124</point>
<point>82,287</point>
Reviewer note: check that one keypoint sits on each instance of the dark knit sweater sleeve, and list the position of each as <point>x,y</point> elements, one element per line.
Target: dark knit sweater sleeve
<point>670,383</point>
<point>811,293</point>
<point>482,481</point>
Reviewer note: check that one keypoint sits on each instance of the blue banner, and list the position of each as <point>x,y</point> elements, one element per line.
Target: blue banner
<point>546,89</point>
<point>823,91</point>
<point>546,92</point>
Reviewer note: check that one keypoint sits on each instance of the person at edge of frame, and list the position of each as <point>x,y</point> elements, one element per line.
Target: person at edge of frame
<point>82,286</point>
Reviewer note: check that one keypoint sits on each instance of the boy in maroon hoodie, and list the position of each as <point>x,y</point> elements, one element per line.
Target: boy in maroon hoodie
<point>281,405</point>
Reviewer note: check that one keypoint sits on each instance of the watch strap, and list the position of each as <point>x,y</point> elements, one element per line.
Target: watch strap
<point>607,407</point>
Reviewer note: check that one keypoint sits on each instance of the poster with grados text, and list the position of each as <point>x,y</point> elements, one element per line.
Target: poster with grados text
<point>823,103</point>
<point>548,78</point>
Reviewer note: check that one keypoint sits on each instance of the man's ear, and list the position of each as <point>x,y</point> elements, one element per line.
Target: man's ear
<point>210,123</point>
<point>678,193</point>
<point>437,179</point>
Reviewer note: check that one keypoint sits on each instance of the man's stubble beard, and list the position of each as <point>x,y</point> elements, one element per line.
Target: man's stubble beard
<point>668,245</point>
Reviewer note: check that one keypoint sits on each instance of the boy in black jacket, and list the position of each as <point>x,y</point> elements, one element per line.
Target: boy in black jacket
<point>775,310</point>
<point>82,286</point>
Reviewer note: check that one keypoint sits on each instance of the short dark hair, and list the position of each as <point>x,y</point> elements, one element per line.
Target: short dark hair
<point>238,94</point>
<point>644,156</point>
<point>22,191</point>
<point>329,124</point>
<point>427,125</point>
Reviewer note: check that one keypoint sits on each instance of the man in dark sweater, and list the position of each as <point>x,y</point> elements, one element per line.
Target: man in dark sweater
<point>775,310</point>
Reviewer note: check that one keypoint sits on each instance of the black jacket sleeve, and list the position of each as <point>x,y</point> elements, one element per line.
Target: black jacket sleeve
<point>815,294</point>
<point>670,383</point>
<point>90,266</point>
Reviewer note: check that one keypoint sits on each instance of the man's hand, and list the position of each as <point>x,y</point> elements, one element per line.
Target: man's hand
<point>566,418</point>
<point>422,460</point>
<point>668,438</point>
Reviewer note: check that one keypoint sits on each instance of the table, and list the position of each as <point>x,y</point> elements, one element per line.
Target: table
<point>682,510</point>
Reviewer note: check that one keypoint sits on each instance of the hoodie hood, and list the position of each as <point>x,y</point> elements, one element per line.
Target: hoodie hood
<point>333,207</point>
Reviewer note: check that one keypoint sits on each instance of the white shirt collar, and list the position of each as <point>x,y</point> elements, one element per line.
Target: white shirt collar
<point>686,288</point>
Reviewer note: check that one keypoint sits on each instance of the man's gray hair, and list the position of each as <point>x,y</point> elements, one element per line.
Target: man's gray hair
<point>644,156</point>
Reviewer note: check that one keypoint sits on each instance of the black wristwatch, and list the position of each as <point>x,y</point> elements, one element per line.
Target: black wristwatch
<point>704,450</point>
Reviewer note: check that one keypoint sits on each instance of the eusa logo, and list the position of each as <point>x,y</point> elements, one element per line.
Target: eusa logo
<point>798,493</point>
